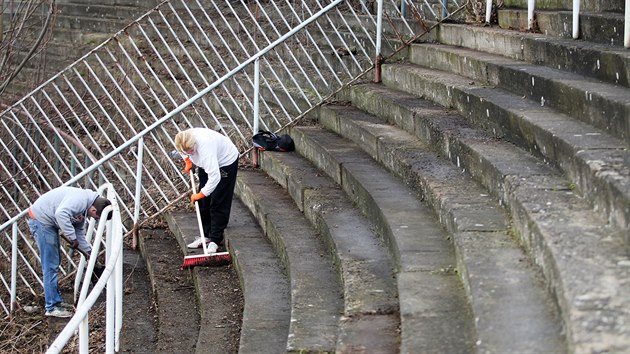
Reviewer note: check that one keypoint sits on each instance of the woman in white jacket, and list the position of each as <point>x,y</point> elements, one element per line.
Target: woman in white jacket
<point>217,160</point>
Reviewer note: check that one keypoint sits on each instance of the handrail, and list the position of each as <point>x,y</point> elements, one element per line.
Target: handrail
<point>97,164</point>
<point>113,281</point>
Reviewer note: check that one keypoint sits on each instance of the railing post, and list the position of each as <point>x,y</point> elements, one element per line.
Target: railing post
<point>119,281</point>
<point>14,251</point>
<point>531,4</point>
<point>576,19</point>
<point>444,9</point>
<point>488,11</point>
<point>136,210</point>
<point>256,107</point>
<point>379,30</point>
<point>626,32</point>
<point>256,94</point>
<point>110,311</point>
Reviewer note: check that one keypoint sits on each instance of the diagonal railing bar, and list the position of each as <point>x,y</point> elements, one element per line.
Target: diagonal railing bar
<point>277,55</point>
<point>218,55</point>
<point>203,56</point>
<point>313,43</point>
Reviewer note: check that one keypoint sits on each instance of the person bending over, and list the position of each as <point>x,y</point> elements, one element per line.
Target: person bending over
<point>62,209</point>
<point>217,160</point>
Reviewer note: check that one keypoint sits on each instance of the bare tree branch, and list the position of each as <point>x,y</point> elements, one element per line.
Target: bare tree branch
<point>44,30</point>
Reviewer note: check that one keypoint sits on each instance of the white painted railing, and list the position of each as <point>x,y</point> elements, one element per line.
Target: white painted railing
<point>110,116</point>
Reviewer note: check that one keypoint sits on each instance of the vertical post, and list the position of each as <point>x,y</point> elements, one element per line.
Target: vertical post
<point>256,94</point>
<point>444,9</point>
<point>531,4</point>
<point>110,311</point>
<point>73,161</point>
<point>626,32</point>
<point>379,30</point>
<point>136,209</point>
<point>14,251</point>
<point>255,126</point>
<point>576,19</point>
<point>488,11</point>
<point>119,277</point>
<point>403,8</point>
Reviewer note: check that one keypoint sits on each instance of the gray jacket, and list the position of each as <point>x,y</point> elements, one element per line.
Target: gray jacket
<point>66,209</point>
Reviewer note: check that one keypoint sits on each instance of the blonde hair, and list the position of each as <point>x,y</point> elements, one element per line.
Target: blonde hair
<point>184,141</point>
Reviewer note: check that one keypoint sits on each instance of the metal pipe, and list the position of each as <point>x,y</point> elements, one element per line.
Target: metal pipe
<point>85,306</point>
<point>531,5</point>
<point>488,10</point>
<point>14,251</point>
<point>110,293</point>
<point>136,209</point>
<point>379,30</point>
<point>119,284</point>
<point>256,95</point>
<point>576,19</point>
<point>626,32</point>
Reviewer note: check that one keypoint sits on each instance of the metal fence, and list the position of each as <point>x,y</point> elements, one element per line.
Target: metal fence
<point>110,117</point>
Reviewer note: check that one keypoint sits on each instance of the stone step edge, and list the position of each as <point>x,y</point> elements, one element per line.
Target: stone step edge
<point>266,312</point>
<point>476,250</point>
<point>589,160</point>
<point>315,294</point>
<point>529,46</point>
<point>370,306</point>
<point>420,245</point>
<point>543,239</point>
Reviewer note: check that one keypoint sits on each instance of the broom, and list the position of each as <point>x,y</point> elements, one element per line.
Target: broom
<point>205,259</point>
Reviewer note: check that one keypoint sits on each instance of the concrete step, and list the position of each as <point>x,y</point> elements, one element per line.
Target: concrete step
<point>365,268</point>
<point>597,27</point>
<point>264,283</point>
<point>588,5</point>
<point>588,100</point>
<point>582,151</point>
<point>173,312</point>
<point>267,312</point>
<point>475,226</point>
<point>215,320</point>
<point>536,198</point>
<point>599,61</point>
<point>139,321</point>
<point>316,295</point>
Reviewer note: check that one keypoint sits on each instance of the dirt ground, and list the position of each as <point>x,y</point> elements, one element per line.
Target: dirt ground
<point>29,331</point>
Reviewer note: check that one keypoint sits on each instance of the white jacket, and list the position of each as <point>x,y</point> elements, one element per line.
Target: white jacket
<point>212,151</point>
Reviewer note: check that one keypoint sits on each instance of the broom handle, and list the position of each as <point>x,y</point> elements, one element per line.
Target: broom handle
<point>203,237</point>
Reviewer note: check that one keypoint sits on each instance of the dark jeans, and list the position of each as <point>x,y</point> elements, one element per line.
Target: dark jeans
<point>215,208</point>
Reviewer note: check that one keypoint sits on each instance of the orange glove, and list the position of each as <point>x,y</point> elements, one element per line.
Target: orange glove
<point>188,166</point>
<point>196,197</point>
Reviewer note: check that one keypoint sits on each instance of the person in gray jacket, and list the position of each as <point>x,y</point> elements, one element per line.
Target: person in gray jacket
<point>62,209</point>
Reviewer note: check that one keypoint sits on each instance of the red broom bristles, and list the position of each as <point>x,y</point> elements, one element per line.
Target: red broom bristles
<point>207,260</point>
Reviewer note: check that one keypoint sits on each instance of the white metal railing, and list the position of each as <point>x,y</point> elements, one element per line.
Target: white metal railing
<point>110,116</point>
<point>531,7</point>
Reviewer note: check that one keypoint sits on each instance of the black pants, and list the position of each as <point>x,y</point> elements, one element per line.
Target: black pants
<point>215,208</point>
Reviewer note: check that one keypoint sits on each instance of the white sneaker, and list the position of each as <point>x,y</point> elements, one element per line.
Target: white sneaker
<point>58,312</point>
<point>212,247</point>
<point>197,243</point>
